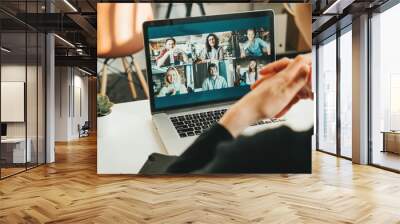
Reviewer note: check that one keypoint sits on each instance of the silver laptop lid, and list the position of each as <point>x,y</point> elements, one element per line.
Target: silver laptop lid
<point>206,60</point>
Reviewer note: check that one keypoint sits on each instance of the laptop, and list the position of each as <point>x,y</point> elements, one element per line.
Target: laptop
<point>199,66</point>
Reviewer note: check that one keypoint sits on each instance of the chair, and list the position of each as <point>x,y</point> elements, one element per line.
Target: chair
<point>84,130</point>
<point>189,7</point>
<point>119,35</point>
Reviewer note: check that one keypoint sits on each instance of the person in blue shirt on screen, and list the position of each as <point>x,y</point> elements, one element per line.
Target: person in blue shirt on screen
<point>254,46</point>
<point>214,80</point>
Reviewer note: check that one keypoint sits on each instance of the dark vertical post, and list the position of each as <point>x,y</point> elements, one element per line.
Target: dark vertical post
<point>338,73</point>
<point>316,97</point>
<point>369,89</point>
<point>0,92</point>
<point>37,88</point>
<point>26,86</point>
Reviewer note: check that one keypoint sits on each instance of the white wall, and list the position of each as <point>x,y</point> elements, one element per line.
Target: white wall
<point>15,73</point>
<point>33,126</point>
<point>71,94</point>
<point>80,103</point>
<point>62,81</point>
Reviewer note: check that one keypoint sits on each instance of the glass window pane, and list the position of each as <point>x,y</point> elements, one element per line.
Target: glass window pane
<point>31,98</point>
<point>385,84</point>
<point>14,151</point>
<point>41,98</point>
<point>314,83</point>
<point>327,97</point>
<point>346,94</point>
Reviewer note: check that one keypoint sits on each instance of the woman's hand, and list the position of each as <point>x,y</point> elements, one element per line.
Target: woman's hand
<point>283,83</point>
<point>273,69</point>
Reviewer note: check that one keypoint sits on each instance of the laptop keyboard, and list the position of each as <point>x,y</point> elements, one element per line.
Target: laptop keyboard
<point>196,123</point>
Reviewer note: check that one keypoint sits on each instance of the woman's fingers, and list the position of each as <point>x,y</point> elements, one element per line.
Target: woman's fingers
<point>290,83</point>
<point>300,68</point>
<point>271,69</point>
<point>275,67</point>
<point>257,82</point>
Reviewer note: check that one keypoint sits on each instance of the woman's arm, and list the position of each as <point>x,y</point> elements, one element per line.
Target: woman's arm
<point>265,152</point>
<point>201,152</point>
<point>215,152</point>
<point>280,150</point>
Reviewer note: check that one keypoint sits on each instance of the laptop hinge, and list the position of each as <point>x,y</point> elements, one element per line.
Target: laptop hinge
<point>186,109</point>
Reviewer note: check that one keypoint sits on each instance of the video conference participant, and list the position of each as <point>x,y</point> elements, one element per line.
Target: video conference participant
<point>214,80</point>
<point>254,46</point>
<point>212,49</point>
<point>169,55</point>
<point>172,84</point>
<point>251,75</point>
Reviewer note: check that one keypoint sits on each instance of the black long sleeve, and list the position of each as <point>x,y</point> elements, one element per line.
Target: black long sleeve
<point>280,150</point>
<point>202,151</point>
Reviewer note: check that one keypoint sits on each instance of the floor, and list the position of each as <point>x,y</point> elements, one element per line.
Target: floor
<point>5,172</point>
<point>10,171</point>
<point>70,191</point>
<point>387,159</point>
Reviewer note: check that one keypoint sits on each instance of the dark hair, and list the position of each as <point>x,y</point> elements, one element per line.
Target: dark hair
<point>208,47</point>
<point>253,29</point>
<point>211,65</point>
<point>255,69</point>
<point>170,38</point>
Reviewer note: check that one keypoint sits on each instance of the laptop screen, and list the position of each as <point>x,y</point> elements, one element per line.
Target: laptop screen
<point>201,60</point>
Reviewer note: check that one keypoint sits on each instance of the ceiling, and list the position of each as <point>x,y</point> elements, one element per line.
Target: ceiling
<point>74,21</point>
<point>332,15</point>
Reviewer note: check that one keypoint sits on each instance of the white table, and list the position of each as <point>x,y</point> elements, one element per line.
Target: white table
<point>19,155</point>
<point>125,138</point>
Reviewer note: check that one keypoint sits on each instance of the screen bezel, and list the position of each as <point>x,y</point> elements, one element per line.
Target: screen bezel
<point>165,22</point>
<point>3,129</point>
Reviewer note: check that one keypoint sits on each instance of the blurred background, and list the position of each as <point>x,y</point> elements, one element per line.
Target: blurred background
<point>288,43</point>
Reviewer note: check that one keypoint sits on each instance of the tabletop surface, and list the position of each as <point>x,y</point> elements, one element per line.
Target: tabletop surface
<point>125,138</point>
<point>13,140</point>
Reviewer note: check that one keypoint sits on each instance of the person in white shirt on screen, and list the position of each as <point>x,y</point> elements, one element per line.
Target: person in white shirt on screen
<point>251,75</point>
<point>212,49</point>
<point>214,80</point>
<point>172,84</point>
